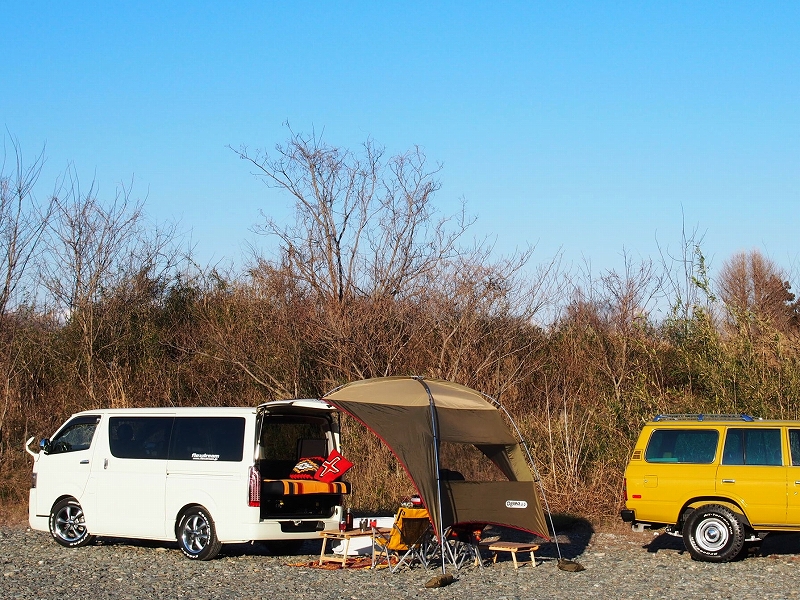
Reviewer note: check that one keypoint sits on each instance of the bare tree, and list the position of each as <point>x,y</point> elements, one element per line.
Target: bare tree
<point>362,226</point>
<point>628,300</point>
<point>484,313</point>
<point>685,279</point>
<point>96,249</point>
<point>22,222</point>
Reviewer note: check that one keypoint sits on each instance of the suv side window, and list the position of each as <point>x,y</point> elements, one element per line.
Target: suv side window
<point>794,445</point>
<point>752,447</point>
<point>139,437</point>
<point>698,446</point>
<point>208,439</point>
<point>76,435</point>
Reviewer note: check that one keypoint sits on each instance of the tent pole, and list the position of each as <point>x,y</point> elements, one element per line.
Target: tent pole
<point>435,426</point>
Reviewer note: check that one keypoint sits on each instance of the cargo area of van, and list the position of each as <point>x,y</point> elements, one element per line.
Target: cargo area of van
<point>288,434</point>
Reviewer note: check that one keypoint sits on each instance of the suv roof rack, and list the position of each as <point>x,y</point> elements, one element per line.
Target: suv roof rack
<point>702,417</point>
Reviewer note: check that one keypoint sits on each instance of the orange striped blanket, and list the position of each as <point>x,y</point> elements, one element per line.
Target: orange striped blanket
<point>294,487</point>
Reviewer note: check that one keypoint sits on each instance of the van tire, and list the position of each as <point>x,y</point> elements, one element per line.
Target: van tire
<point>67,524</point>
<point>713,533</point>
<point>197,535</point>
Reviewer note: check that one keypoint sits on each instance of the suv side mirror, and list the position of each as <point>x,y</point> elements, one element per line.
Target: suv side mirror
<point>44,445</point>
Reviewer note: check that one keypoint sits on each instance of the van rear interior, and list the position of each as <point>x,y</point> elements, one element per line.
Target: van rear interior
<point>284,440</point>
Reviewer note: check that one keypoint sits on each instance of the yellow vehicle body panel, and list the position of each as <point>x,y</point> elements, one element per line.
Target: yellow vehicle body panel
<point>751,466</point>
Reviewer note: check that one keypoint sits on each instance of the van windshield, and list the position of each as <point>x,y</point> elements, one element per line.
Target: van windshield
<point>75,436</point>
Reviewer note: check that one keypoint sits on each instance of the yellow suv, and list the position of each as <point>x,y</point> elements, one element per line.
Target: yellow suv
<point>717,480</point>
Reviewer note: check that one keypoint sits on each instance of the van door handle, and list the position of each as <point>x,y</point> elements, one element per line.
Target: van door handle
<point>85,461</point>
<point>728,481</point>
<point>105,463</point>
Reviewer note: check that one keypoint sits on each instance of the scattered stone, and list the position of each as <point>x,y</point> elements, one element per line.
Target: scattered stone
<point>439,581</point>
<point>640,566</point>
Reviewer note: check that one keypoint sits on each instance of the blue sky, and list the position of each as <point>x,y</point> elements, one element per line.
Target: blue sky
<point>586,128</point>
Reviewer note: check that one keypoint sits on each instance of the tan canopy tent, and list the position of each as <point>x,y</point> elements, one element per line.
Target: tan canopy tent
<point>413,415</point>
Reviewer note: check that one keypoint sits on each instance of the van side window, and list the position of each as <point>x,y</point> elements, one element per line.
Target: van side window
<point>752,447</point>
<point>698,446</point>
<point>207,439</point>
<point>76,435</point>
<point>794,445</point>
<point>139,437</point>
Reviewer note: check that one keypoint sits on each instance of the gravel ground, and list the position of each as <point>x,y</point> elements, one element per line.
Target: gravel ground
<point>627,565</point>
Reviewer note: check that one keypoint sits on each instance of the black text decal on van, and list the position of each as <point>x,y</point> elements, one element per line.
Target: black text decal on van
<point>197,456</point>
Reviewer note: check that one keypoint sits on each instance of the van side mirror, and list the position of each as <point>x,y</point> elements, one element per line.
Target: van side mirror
<point>44,445</point>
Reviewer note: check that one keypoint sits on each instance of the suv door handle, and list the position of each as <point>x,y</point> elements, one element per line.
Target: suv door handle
<point>728,481</point>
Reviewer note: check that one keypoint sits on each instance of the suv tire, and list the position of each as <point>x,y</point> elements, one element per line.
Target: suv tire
<point>713,533</point>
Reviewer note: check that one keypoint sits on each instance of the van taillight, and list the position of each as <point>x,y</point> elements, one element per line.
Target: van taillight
<point>254,498</point>
<point>625,488</point>
<point>33,480</point>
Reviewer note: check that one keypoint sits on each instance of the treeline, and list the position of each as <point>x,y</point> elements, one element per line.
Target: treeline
<point>99,309</point>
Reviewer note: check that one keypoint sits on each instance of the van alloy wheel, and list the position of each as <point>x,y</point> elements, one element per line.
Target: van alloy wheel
<point>197,536</point>
<point>67,524</point>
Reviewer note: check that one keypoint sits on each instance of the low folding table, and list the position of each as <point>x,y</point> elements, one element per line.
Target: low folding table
<point>345,536</point>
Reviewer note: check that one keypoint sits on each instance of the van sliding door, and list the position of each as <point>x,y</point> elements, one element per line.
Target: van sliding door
<point>206,466</point>
<point>130,477</point>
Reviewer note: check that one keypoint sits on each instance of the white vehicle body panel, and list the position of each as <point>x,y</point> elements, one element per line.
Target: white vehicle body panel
<point>143,498</point>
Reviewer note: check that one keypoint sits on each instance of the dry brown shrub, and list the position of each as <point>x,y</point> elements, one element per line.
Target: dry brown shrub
<point>15,479</point>
<point>379,481</point>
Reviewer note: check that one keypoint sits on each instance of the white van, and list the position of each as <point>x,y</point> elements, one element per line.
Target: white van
<point>201,476</point>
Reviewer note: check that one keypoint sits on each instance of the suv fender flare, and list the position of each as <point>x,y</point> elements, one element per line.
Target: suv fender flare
<point>692,505</point>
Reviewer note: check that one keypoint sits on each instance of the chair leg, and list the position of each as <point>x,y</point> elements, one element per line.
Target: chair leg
<point>405,559</point>
<point>478,558</point>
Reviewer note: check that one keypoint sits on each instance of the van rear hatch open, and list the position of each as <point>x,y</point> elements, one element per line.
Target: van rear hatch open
<point>293,438</point>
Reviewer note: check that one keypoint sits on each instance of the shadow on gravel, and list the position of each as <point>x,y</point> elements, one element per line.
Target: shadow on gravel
<point>276,548</point>
<point>778,543</point>
<point>573,535</point>
<point>665,542</point>
<point>775,544</point>
<point>111,542</point>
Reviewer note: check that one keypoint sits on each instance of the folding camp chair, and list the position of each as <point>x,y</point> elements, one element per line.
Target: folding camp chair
<point>406,541</point>
<point>462,545</point>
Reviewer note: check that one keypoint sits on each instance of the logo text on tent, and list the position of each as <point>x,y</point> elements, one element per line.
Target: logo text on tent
<point>516,504</point>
